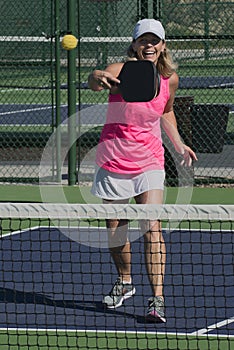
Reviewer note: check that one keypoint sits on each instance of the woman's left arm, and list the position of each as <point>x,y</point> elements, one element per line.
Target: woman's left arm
<point>169,124</point>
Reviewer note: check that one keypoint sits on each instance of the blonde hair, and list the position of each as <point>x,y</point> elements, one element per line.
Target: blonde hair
<point>165,65</point>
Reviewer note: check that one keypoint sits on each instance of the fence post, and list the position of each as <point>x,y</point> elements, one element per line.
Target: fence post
<point>157,9</point>
<point>57,90</point>
<point>144,8</point>
<point>71,56</point>
<point>207,28</point>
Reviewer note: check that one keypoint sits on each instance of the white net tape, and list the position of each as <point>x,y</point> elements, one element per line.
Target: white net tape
<point>117,211</point>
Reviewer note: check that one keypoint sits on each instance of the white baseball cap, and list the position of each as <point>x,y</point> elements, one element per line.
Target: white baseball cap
<point>149,26</point>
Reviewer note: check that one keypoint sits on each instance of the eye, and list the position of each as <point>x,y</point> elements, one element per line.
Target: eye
<point>143,41</point>
<point>155,41</point>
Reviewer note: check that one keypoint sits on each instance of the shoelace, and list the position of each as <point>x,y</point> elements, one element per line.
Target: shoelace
<point>157,303</point>
<point>117,289</point>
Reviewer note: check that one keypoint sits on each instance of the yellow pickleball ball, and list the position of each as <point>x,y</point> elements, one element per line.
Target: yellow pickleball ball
<point>69,42</point>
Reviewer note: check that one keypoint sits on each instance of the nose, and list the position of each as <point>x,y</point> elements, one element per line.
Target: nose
<point>147,41</point>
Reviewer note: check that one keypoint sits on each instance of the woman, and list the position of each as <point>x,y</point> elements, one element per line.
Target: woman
<point>130,159</point>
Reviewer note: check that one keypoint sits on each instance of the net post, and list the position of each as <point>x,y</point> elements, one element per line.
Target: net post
<point>71,56</point>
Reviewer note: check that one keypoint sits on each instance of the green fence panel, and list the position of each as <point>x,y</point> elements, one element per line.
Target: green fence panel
<point>34,81</point>
<point>26,84</point>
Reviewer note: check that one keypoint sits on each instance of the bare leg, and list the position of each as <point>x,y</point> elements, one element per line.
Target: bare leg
<point>155,256</point>
<point>119,245</point>
<point>155,251</point>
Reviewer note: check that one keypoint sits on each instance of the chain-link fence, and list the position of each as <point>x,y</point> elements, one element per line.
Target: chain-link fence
<point>35,86</point>
<point>26,98</point>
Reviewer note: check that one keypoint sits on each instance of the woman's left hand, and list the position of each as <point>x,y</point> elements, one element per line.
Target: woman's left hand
<point>187,153</point>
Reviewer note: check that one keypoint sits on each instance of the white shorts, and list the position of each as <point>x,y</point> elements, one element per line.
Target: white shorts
<point>113,186</point>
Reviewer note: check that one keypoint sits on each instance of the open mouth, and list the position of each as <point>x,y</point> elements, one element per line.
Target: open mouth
<point>148,54</point>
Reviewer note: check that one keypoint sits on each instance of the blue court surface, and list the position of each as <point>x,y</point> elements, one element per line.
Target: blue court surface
<point>49,281</point>
<point>43,114</point>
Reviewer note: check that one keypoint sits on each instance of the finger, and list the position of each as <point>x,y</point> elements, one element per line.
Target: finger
<point>192,154</point>
<point>189,161</point>
<point>195,156</point>
<point>106,84</point>
<point>182,162</point>
<point>113,81</point>
<point>101,83</point>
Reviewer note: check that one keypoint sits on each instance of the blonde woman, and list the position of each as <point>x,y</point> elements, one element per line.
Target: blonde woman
<point>130,162</point>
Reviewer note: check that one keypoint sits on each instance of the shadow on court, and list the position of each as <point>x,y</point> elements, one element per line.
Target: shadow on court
<point>19,297</point>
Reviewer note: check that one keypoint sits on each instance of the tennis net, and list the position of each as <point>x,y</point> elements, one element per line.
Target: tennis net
<point>56,268</point>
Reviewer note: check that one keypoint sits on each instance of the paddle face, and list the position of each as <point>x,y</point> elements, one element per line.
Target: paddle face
<point>139,81</point>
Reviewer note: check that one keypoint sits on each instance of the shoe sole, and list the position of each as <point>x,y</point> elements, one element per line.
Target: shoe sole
<point>155,317</point>
<point>124,297</point>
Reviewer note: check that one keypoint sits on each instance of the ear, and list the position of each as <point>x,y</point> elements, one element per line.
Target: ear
<point>163,46</point>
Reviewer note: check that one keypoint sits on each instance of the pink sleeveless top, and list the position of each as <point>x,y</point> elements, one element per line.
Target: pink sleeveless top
<point>131,141</point>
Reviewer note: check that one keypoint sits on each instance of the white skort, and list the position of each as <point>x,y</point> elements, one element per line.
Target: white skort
<point>113,186</point>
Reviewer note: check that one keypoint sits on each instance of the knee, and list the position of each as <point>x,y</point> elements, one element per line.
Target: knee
<point>153,236</point>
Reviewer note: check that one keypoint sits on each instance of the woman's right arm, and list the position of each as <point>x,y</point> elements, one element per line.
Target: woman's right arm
<point>105,79</point>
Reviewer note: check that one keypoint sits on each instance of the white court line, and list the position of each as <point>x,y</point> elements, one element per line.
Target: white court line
<point>4,235</point>
<point>66,330</point>
<point>214,326</point>
<point>84,39</point>
<point>24,38</point>
<point>26,110</point>
<point>36,109</point>
<point>86,331</point>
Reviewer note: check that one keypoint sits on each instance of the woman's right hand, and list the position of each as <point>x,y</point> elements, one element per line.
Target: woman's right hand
<point>102,79</point>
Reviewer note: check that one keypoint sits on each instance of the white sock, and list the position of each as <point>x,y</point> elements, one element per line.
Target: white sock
<point>127,282</point>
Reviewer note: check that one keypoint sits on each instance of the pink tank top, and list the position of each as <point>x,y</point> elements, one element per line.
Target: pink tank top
<point>131,141</point>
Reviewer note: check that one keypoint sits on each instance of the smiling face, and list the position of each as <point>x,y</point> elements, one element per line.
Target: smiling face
<point>148,47</point>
